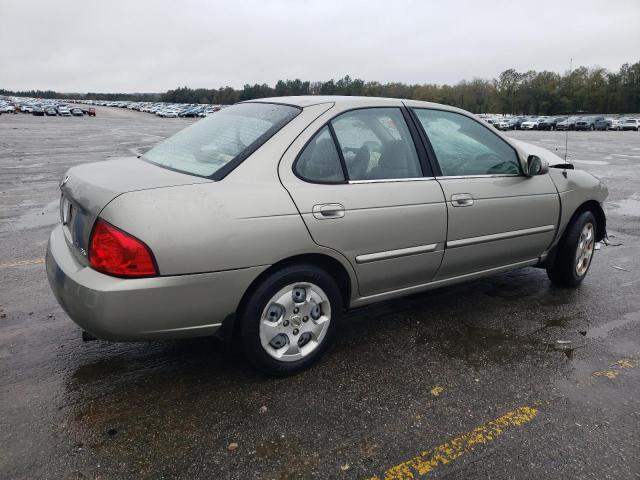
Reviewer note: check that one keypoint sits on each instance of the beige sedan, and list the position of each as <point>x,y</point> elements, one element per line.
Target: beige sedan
<point>270,218</point>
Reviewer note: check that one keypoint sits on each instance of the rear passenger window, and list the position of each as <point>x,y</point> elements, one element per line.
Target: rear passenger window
<point>319,161</point>
<point>376,144</point>
<point>464,147</point>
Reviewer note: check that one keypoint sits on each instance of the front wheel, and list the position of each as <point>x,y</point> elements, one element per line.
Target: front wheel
<point>575,252</point>
<point>289,319</point>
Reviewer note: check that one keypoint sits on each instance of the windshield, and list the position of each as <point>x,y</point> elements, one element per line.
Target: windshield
<point>226,137</point>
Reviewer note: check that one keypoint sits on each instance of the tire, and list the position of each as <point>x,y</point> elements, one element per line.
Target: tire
<point>275,297</point>
<point>571,266</point>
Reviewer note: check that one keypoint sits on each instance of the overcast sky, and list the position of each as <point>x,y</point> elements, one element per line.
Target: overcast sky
<point>153,46</point>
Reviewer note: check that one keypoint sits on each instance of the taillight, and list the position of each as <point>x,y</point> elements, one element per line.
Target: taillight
<point>117,253</point>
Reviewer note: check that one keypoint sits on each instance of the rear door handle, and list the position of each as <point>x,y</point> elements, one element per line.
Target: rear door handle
<point>461,199</point>
<point>326,211</point>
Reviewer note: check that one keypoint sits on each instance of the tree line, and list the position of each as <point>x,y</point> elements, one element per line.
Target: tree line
<point>581,90</point>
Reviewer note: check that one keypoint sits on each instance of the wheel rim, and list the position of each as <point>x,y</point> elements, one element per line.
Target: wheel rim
<point>584,251</point>
<point>295,321</point>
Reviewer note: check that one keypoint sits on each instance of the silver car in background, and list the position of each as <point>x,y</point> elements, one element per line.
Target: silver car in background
<point>268,219</point>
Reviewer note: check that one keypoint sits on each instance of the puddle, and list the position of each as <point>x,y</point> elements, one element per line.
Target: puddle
<point>591,162</point>
<point>38,217</point>
<point>628,206</point>
<point>604,330</point>
<point>560,322</point>
<point>623,155</point>
<point>474,343</point>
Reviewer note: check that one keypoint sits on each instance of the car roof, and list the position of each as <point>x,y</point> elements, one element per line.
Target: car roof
<point>353,102</point>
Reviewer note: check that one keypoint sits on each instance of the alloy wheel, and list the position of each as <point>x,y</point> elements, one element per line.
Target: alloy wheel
<point>584,250</point>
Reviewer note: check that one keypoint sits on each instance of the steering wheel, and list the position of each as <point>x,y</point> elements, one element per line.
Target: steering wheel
<point>493,164</point>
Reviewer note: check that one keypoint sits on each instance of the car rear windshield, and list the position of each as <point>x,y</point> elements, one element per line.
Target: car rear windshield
<point>215,145</point>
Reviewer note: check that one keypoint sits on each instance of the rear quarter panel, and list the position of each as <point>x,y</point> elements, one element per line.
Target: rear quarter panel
<point>246,219</point>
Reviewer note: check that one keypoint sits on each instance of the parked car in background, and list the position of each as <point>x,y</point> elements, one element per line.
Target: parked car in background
<point>615,123</point>
<point>530,124</point>
<point>38,112</point>
<point>602,123</point>
<point>167,113</point>
<point>50,111</point>
<point>209,110</point>
<point>515,122</point>
<point>631,124</point>
<point>191,112</point>
<point>586,123</point>
<point>503,124</point>
<point>77,112</point>
<point>569,123</point>
<point>348,217</point>
<point>91,111</point>
<point>64,111</point>
<point>548,123</point>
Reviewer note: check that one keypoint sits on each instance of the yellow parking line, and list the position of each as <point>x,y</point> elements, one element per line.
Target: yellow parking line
<point>22,263</point>
<point>612,373</point>
<point>427,461</point>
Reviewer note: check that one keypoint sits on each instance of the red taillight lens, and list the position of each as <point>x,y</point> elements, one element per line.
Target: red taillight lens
<point>117,253</point>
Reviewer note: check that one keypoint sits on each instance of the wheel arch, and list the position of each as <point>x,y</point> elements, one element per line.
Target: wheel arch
<point>601,220</point>
<point>601,228</point>
<point>231,328</point>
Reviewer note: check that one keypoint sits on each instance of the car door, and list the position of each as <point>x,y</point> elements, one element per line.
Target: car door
<point>497,215</point>
<point>364,189</point>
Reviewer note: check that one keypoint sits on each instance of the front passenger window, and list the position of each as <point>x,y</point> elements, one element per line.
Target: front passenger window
<point>465,147</point>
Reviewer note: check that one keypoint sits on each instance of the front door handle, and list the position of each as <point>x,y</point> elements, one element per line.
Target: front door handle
<point>326,211</point>
<point>461,199</point>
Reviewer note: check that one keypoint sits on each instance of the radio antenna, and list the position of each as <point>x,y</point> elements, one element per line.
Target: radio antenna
<point>566,132</point>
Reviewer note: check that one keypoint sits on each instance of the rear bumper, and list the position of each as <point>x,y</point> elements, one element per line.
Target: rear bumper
<point>146,308</point>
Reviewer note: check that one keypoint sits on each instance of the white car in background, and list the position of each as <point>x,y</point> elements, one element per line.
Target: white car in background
<point>502,124</point>
<point>630,124</point>
<point>530,124</point>
<point>64,111</point>
<point>167,113</point>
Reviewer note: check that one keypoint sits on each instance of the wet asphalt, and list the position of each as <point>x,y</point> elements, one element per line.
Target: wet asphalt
<point>402,378</point>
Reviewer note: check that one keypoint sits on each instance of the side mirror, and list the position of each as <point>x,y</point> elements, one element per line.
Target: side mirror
<point>536,166</point>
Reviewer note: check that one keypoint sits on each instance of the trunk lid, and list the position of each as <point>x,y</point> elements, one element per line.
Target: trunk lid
<point>87,189</point>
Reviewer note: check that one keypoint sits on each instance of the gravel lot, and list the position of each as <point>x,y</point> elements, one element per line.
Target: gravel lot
<point>463,382</point>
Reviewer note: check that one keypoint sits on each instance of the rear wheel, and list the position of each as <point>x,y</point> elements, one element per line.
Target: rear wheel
<point>575,252</point>
<point>289,319</point>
